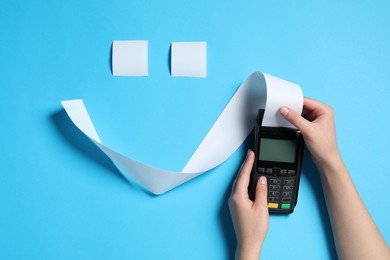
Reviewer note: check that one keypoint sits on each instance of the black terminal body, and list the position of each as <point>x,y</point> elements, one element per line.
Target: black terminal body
<point>278,157</point>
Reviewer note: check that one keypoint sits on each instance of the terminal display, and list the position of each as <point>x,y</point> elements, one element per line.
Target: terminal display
<point>277,150</point>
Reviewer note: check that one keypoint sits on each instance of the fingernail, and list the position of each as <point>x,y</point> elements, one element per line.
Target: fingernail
<point>247,153</point>
<point>263,180</point>
<point>284,111</point>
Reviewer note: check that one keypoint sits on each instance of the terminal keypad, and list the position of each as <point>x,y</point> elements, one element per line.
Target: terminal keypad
<point>280,187</point>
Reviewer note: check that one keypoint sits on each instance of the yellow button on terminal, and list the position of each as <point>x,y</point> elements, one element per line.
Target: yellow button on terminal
<point>273,205</point>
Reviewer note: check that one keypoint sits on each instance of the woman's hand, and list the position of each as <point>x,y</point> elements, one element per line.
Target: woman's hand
<point>250,219</point>
<point>355,233</point>
<point>318,129</point>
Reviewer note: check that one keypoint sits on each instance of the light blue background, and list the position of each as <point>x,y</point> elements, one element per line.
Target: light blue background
<point>60,198</point>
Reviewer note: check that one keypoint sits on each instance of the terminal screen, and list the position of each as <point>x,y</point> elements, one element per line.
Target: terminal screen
<point>277,150</point>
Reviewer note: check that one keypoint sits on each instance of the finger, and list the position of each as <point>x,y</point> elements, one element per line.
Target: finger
<point>312,109</point>
<point>242,182</point>
<point>239,172</point>
<point>297,120</point>
<point>309,107</point>
<point>311,104</point>
<point>261,194</point>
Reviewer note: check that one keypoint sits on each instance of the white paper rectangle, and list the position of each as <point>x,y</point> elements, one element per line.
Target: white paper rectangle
<point>130,58</point>
<point>189,59</point>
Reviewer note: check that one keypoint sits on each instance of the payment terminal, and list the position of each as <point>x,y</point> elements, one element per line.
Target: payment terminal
<point>278,157</point>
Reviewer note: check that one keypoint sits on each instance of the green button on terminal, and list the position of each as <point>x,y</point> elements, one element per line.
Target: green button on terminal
<point>286,206</point>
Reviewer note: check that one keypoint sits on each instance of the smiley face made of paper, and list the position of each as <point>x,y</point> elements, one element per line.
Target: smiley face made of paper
<point>258,91</point>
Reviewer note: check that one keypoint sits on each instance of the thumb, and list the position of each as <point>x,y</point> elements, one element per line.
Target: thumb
<point>295,119</point>
<point>261,194</point>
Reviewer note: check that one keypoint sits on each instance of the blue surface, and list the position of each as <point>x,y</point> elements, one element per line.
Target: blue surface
<point>60,198</point>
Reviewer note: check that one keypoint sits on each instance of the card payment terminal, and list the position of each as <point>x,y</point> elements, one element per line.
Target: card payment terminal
<point>278,157</point>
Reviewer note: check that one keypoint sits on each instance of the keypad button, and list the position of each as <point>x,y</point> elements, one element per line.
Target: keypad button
<point>273,199</point>
<point>287,187</point>
<point>275,181</point>
<point>274,187</point>
<point>273,205</point>
<point>286,199</point>
<point>291,172</point>
<point>276,170</point>
<point>287,194</point>
<point>283,172</point>
<point>273,193</point>
<point>261,170</point>
<point>285,206</point>
<point>268,171</point>
<point>289,182</point>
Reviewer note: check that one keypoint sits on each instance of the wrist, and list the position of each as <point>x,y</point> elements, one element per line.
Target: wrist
<point>331,162</point>
<point>332,168</point>
<point>248,252</point>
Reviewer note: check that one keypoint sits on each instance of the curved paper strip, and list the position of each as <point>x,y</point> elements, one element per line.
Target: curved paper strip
<point>237,120</point>
<point>227,134</point>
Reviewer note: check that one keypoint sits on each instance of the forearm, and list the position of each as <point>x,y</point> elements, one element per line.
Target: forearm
<point>355,233</point>
<point>248,252</point>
